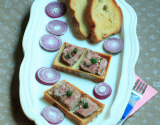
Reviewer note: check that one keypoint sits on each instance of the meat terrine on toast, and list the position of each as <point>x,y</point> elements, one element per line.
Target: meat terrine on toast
<point>84,108</point>
<point>84,66</point>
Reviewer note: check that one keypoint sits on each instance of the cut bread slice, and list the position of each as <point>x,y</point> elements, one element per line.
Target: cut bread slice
<point>79,20</point>
<point>104,17</point>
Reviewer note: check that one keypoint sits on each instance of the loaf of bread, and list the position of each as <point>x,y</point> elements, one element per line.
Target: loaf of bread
<point>104,17</point>
<point>74,116</point>
<point>79,20</point>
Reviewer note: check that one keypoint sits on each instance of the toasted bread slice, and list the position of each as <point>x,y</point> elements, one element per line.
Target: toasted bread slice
<point>75,69</point>
<point>79,119</point>
<point>104,17</point>
<point>79,20</point>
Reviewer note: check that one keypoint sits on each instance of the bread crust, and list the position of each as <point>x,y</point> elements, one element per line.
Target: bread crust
<point>75,68</point>
<point>80,120</point>
<point>93,35</point>
<point>76,25</point>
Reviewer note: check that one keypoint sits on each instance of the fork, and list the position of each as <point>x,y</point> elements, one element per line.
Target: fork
<point>136,94</point>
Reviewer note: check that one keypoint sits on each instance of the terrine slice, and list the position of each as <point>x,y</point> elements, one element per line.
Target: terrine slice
<point>66,94</point>
<point>93,63</point>
<point>71,54</point>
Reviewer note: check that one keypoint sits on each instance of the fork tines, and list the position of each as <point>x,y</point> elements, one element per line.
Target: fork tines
<point>140,87</point>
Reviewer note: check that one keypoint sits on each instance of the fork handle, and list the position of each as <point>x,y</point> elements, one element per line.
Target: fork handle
<point>127,111</point>
<point>125,114</point>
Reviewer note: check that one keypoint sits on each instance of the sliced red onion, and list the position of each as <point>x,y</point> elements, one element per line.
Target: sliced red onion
<point>47,76</point>
<point>52,115</point>
<point>57,27</point>
<point>50,42</point>
<point>102,90</point>
<point>55,9</point>
<point>113,45</point>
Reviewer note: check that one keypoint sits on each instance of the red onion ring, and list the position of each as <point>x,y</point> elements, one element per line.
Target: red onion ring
<point>47,76</point>
<point>52,115</point>
<point>57,27</point>
<point>102,90</point>
<point>113,45</point>
<point>50,42</point>
<point>55,9</point>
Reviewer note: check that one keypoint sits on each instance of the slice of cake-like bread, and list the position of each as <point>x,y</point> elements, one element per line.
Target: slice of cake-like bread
<point>104,17</point>
<point>79,20</point>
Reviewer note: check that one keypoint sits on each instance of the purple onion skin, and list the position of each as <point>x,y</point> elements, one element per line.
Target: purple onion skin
<point>102,97</point>
<point>61,31</point>
<point>51,122</point>
<point>37,78</point>
<point>59,41</point>
<point>98,96</point>
<point>50,6</point>
<point>42,82</point>
<point>110,49</point>
<point>48,50</point>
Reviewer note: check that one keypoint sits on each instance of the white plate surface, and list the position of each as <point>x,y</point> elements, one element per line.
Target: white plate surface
<point>120,75</point>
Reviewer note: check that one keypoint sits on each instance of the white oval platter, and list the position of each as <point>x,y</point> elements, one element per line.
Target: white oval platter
<point>120,76</point>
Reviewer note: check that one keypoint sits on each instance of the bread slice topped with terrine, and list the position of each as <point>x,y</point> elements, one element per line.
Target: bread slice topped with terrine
<point>104,17</point>
<point>73,102</point>
<point>87,64</point>
<point>79,19</point>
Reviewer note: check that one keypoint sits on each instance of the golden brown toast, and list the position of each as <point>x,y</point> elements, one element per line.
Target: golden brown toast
<point>79,119</point>
<point>104,17</point>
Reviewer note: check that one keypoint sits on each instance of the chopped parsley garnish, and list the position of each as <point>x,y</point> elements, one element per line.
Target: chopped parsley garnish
<point>82,100</point>
<point>93,60</point>
<point>68,56</point>
<point>85,105</point>
<point>101,58</point>
<point>75,50</point>
<point>69,93</point>
<point>85,64</point>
